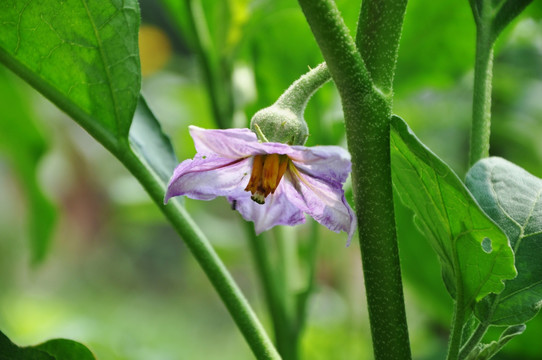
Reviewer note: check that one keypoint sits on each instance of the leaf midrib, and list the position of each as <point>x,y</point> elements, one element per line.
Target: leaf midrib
<point>106,68</point>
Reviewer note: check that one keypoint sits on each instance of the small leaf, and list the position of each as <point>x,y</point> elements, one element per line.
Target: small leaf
<point>80,54</point>
<point>150,144</point>
<point>450,218</point>
<point>62,349</point>
<point>507,11</point>
<point>487,351</point>
<point>512,198</point>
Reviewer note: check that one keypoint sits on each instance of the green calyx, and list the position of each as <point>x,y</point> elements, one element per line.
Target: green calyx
<point>283,121</point>
<point>276,124</point>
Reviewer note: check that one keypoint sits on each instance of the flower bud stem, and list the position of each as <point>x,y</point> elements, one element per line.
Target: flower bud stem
<point>296,97</point>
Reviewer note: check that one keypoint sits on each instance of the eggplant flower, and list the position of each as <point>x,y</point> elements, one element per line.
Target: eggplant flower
<point>268,183</point>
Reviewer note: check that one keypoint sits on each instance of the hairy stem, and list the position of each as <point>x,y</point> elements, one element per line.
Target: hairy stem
<point>483,73</point>
<point>299,93</point>
<point>367,111</point>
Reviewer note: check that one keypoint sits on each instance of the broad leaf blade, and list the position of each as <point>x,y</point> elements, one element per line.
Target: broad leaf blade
<point>80,54</point>
<point>512,198</point>
<point>474,253</point>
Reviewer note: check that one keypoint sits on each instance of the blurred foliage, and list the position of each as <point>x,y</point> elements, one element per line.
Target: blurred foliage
<point>23,145</point>
<point>119,280</point>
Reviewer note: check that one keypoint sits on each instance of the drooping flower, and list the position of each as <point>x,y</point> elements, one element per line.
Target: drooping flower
<point>268,183</point>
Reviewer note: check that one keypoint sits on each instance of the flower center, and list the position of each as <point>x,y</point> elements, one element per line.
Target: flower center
<point>267,170</point>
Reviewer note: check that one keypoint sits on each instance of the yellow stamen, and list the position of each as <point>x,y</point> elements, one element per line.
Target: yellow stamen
<point>270,171</point>
<point>267,171</point>
<point>256,175</point>
<point>282,169</point>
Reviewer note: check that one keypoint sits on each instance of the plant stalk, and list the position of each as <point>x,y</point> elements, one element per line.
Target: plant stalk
<point>367,111</point>
<point>299,93</point>
<point>483,74</point>
<point>217,86</point>
<point>273,294</point>
<point>457,328</point>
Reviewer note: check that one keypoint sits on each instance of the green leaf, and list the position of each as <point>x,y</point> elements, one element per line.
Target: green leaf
<point>80,54</point>
<point>57,349</point>
<point>150,144</point>
<point>512,198</point>
<point>474,253</point>
<point>24,146</point>
<point>487,351</point>
<point>506,11</point>
<point>62,349</point>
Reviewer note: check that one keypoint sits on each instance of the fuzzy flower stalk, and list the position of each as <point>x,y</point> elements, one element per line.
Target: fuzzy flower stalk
<point>266,173</point>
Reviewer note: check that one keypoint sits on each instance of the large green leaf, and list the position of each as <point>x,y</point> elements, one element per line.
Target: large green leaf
<point>24,146</point>
<point>512,198</point>
<point>81,54</point>
<point>57,349</point>
<point>474,253</point>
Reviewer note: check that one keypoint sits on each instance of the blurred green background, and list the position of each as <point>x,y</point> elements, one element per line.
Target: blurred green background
<point>117,277</point>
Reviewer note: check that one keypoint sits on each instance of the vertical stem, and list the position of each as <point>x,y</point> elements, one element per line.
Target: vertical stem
<point>217,86</point>
<point>379,28</point>
<point>457,328</point>
<point>367,111</point>
<point>275,296</point>
<point>483,73</point>
<point>310,260</point>
<point>287,269</point>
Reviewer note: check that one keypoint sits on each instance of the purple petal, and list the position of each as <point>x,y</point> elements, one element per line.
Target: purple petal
<point>229,143</point>
<point>206,177</point>
<point>277,210</point>
<point>327,163</point>
<point>322,200</point>
<point>236,143</point>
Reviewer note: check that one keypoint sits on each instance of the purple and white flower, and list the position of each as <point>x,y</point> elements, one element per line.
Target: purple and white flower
<point>270,183</point>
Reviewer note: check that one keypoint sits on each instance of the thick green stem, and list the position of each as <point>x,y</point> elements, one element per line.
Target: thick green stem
<point>483,73</point>
<point>379,28</point>
<point>204,253</point>
<point>367,111</point>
